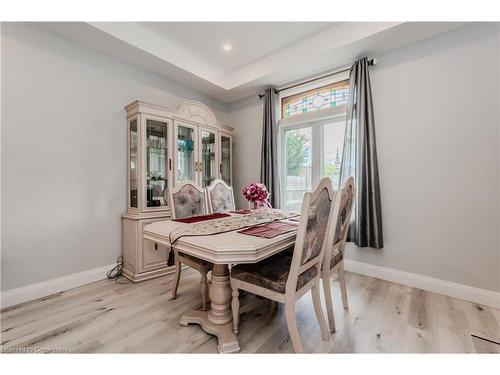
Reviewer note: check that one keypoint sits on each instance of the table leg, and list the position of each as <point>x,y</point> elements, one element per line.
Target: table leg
<point>218,319</point>
<point>220,295</point>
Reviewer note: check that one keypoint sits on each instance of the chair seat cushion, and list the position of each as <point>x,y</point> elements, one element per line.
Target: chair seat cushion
<point>271,273</point>
<point>337,256</point>
<point>288,251</point>
<point>200,262</point>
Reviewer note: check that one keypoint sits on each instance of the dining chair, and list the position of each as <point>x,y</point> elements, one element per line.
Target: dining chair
<point>285,279</point>
<point>220,197</point>
<point>187,200</point>
<point>334,255</point>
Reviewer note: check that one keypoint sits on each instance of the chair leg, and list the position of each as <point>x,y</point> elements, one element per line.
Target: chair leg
<point>235,307</point>
<point>292,326</point>
<point>328,300</point>
<point>319,312</point>
<point>343,289</point>
<point>204,290</point>
<point>177,276</point>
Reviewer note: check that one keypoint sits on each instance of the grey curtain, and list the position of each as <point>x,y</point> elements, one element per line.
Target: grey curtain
<point>269,160</point>
<point>359,160</point>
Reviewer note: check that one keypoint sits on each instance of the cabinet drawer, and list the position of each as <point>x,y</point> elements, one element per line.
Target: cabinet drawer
<point>155,255</point>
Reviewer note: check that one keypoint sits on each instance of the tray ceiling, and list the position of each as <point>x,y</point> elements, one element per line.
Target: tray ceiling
<point>263,54</point>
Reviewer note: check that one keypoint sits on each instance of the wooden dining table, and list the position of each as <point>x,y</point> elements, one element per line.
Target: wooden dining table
<point>223,250</point>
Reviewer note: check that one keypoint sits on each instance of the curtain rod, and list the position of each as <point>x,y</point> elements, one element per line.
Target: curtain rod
<point>371,62</point>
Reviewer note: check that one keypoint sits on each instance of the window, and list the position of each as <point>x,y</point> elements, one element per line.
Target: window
<point>317,99</point>
<point>311,145</point>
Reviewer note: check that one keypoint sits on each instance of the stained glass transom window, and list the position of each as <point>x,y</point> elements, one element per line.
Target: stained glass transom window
<point>315,100</point>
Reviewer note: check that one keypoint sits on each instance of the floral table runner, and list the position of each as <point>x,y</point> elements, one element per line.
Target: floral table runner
<point>231,223</point>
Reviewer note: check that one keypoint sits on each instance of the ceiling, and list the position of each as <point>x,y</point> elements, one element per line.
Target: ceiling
<point>251,41</point>
<point>264,54</point>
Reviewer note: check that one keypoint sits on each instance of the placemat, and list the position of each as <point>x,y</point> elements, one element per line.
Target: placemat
<point>243,211</point>
<point>197,219</point>
<point>270,230</point>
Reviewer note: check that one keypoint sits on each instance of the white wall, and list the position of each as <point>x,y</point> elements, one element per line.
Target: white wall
<point>246,116</point>
<point>438,124</point>
<point>64,152</point>
<point>498,151</point>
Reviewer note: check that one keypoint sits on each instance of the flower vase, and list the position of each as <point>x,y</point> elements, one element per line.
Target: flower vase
<point>254,205</point>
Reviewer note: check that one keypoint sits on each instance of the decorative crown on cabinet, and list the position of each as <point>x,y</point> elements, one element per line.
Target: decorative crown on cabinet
<point>166,146</point>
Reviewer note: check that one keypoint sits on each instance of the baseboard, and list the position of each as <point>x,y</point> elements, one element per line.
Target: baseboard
<point>30,292</point>
<point>465,292</point>
<point>448,288</point>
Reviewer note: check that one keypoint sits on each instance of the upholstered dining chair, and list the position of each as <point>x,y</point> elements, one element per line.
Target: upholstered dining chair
<point>285,279</point>
<point>220,197</point>
<point>187,200</point>
<point>334,255</point>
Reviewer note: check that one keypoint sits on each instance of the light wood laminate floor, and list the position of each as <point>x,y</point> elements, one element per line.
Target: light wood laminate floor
<point>107,317</point>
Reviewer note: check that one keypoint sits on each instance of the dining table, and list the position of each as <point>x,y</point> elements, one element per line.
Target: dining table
<point>221,242</point>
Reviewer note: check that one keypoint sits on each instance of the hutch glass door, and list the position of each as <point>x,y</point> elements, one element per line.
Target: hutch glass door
<point>133,142</point>
<point>225,158</point>
<point>156,163</point>
<point>186,153</point>
<point>208,157</point>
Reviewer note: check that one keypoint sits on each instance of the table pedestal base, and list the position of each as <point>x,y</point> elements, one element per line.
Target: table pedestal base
<point>228,342</point>
<point>218,320</point>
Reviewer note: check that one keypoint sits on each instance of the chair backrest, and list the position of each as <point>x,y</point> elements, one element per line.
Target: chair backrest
<point>220,197</point>
<point>318,214</point>
<point>345,210</point>
<point>186,200</point>
<point>343,221</point>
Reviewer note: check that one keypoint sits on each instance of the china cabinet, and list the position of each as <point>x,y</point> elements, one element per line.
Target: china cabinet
<point>166,146</point>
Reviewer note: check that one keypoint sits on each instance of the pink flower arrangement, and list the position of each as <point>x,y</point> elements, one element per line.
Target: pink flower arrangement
<point>257,192</point>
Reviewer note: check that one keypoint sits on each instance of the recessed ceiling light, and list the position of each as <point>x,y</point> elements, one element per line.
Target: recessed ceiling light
<point>227,47</point>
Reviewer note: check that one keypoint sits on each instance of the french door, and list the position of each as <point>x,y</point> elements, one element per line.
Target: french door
<point>309,151</point>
